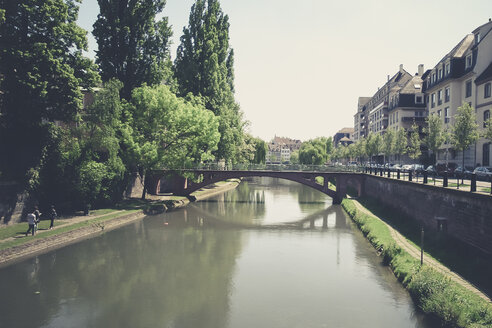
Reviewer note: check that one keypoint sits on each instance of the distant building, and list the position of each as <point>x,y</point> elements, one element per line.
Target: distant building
<point>280,149</point>
<point>343,137</point>
<point>372,112</point>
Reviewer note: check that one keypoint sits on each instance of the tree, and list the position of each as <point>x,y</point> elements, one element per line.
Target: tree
<point>389,143</point>
<point>413,149</point>
<point>435,135</point>
<point>132,46</point>
<point>487,133</point>
<point>42,73</point>
<point>360,147</point>
<point>374,145</point>
<point>169,132</point>
<point>260,151</point>
<point>465,129</point>
<point>313,152</point>
<point>204,67</point>
<point>329,146</point>
<point>400,143</point>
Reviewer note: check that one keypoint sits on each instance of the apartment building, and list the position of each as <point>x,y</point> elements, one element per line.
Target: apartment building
<point>372,112</point>
<point>463,75</point>
<point>407,104</point>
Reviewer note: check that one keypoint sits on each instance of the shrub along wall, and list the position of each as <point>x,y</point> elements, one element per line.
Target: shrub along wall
<point>432,291</point>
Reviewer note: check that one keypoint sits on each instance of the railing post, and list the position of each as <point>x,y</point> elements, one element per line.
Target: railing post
<point>381,172</point>
<point>389,173</point>
<point>473,184</point>
<point>425,177</point>
<point>409,175</point>
<point>398,174</point>
<point>445,179</point>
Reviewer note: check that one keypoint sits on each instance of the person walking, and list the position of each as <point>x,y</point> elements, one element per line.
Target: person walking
<point>31,219</point>
<point>53,216</point>
<point>37,214</point>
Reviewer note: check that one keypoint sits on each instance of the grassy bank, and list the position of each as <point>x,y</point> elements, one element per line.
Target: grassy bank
<point>432,291</point>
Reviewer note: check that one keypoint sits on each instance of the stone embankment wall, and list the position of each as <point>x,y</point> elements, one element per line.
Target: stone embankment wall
<point>12,203</point>
<point>464,215</point>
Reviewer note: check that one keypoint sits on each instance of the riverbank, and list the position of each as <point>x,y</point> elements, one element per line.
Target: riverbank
<point>435,289</point>
<point>16,246</point>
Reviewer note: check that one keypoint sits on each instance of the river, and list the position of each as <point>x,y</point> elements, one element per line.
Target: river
<point>271,253</point>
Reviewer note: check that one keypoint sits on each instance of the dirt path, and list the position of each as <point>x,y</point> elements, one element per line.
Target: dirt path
<point>415,252</point>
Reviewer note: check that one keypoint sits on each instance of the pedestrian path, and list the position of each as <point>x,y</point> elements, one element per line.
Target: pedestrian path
<point>415,252</point>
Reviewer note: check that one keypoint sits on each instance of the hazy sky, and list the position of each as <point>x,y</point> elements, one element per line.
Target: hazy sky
<point>301,65</point>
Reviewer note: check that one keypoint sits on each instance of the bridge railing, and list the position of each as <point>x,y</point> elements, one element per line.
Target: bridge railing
<point>275,167</point>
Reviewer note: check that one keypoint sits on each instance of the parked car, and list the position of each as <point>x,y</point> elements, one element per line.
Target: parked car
<point>431,170</point>
<point>407,167</point>
<point>483,172</point>
<point>443,167</point>
<point>417,168</point>
<point>459,172</point>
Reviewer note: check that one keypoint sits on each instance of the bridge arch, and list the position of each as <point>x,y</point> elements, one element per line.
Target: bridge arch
<point>184,187</point>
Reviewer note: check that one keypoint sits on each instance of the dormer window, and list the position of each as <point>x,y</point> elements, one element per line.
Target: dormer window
<point>447,69</point>
<point>433,77</point>
<point>419,99</point>
<point>440,73</point>
<point>477,38</point>
<point>468,61</point>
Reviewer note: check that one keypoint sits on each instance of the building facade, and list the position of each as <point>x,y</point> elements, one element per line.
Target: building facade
<point>463,76</point>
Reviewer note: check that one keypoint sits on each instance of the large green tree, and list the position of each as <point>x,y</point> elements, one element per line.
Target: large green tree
<point>133,46</point>
<point>465,129</point>
<point>204,67</point>
<point>42,73</point>
<point>313,152</point>
<point>167,131</point>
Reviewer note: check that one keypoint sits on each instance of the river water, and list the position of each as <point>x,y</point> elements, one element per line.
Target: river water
<point>269,254</point>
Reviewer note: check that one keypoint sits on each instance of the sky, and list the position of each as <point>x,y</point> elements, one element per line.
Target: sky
<point>300,66</point>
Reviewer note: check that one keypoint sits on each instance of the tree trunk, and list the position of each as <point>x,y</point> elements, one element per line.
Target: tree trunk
<point>144,180</point>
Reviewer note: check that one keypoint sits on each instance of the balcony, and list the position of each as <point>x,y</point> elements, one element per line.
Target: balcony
<point>411,119</point>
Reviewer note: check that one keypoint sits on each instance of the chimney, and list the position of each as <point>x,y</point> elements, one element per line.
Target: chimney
<point>401,68</point>
<point>388,78</point>
<point>421,70</point>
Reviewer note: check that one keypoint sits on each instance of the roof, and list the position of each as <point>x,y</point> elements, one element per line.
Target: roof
<point>346,130</point>
<point>410,86</point>
<point>363,100</point>
<point>485,76</point>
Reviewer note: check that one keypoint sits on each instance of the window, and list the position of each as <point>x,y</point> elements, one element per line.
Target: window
<point>477,38</point>
<point>439,97</point>
<point>447,69</point>
<point>447,94</point>
<point>446,115</point>
<point>468,90</point>
<point>433,77</point>
<point>397,116</point>
<point>439,113</point>
<point>419,99</point>
<point>486,90</point>
<point>433,100</point>
<point>440,73</point>
<point>486,117</point>
<point>468,61</point>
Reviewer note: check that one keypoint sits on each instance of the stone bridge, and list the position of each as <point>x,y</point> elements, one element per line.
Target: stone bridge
<point>184,187</point>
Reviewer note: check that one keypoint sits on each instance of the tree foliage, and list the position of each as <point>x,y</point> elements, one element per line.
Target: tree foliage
<point>204,68</point>
<point>401,142</point>
<point>313,152</point>
<point>465,129</point>
<point>389,139</point>
<point>42,71</point>
<point>133,46</point>
<point>434,134</point>
<point>413,148</point>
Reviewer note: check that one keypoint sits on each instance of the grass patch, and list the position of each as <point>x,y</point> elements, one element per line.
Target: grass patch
<point>433,292</point>
<point>61,228</point>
